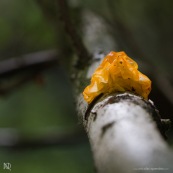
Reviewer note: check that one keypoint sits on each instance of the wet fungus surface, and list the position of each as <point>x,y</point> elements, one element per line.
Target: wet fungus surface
<point>117,73</point>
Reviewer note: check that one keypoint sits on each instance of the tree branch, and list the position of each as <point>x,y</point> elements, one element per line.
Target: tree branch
<point>25,68</point>
<point>123,130</point>
<point>125,133</point>
<point>81,51</point>
<point>12,139</point>
<point>33,61</point>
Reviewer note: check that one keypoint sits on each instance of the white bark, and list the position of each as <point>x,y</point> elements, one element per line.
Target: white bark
<point>124,136</point>
<point>124,131</point>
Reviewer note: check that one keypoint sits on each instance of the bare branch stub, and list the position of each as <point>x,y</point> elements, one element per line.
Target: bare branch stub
<point>80,49</point>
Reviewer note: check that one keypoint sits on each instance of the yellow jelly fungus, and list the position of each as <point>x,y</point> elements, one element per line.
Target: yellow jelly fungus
<point>117,73</point>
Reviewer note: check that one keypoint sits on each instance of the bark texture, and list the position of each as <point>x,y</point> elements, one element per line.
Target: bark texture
<point>126,135</point>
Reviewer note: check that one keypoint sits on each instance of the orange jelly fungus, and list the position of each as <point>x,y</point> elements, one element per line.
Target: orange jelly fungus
<point>117,73</point>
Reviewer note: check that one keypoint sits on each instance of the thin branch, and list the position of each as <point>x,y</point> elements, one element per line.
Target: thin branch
<point>80,49</point>
<point>12,139</point>
<point>25,68</point>
<point>33,61</point>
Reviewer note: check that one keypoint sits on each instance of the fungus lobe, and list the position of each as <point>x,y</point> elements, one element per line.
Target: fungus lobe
<point>117,73</point>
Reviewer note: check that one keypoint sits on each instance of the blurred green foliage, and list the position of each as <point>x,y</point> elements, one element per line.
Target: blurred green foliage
<point>34,105</point>
<point>62,160</point>
<point>22,25</point>
<point>37,109</point>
